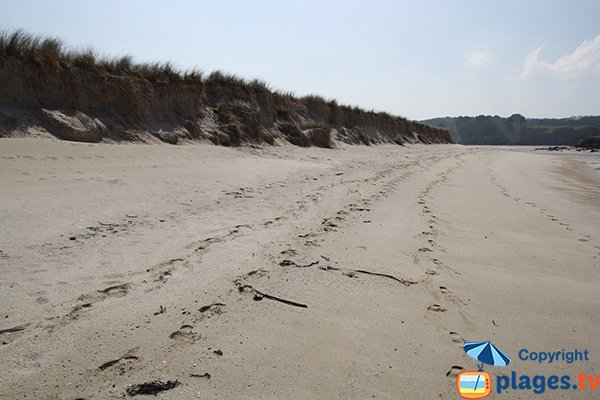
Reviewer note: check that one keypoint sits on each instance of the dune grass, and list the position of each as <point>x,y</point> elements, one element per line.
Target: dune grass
<point>50,52</point>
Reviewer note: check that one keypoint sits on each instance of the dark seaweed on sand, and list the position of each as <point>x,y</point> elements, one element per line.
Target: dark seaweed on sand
<point>153,387</point>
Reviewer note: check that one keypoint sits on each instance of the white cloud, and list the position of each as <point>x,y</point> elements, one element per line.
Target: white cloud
<point>531,61</point>
<point>583,60</point>
<point>479,58</point>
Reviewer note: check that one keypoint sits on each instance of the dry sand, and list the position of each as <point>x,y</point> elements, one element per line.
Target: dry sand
<point>109,254</point>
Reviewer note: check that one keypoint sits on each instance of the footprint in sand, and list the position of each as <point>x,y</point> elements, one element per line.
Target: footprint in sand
<point>185,334</point>
<point>454,371</point>
<point>445,290</point>
<point>74,313</point>
<point>211,307</point>
<point>289,252</point>
<point>9,334</point>
<point>211,310</point>
<point>456,338</point>
<point>88,300</point>
<point>115,290</point>
<point>436,308</point>
<point>163,276</point>
<point>121,364</point>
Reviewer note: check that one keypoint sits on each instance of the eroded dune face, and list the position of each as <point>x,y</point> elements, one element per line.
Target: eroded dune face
<point>79,97</point>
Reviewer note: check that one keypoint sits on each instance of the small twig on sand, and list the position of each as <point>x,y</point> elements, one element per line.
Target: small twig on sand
<point>291,303</point>
<point>153,387</point>
<point>108,364</point>
<point>130,216</point>
<point>204,375</point>
<point>328,268</point>
<point>287,263</point>
<point>405,282</point>
<point>271,297</point>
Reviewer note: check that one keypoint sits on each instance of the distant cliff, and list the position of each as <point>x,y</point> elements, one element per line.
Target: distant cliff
<point>79,96</point>
<point>518,130</point>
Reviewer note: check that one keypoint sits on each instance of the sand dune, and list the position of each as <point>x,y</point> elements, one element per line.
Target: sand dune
<point>122,264</point>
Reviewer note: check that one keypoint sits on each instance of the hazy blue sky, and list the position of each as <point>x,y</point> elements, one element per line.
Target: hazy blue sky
<point>419,59</point>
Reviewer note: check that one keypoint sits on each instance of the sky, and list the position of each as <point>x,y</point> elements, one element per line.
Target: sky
<point>418,59</point>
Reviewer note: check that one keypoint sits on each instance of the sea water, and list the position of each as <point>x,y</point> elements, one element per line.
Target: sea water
<point>593,159</point>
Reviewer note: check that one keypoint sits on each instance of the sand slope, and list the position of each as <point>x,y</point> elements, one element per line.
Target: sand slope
<point>487,244</point>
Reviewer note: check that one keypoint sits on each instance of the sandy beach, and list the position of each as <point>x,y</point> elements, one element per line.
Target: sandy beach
<point>122,264</point>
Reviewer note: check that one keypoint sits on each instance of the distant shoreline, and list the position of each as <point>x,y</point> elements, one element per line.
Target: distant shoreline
<point>590,158</point>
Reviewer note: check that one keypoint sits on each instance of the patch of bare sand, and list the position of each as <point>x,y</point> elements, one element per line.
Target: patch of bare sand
<point>174,248</point>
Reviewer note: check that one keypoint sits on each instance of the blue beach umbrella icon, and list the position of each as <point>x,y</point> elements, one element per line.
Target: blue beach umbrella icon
<point>486,353</point>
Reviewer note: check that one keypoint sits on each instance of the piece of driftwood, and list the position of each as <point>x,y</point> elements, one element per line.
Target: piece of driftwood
<point>153,387</point>
<point>405,282</point>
